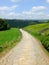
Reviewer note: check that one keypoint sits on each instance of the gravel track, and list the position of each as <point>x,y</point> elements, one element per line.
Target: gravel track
<point>27,52</point>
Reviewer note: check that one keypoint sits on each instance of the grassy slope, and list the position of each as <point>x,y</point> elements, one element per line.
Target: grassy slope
<point>43,37</point>
<point>8,39</point>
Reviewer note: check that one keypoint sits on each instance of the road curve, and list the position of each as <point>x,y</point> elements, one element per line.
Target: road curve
<point>27,52</point>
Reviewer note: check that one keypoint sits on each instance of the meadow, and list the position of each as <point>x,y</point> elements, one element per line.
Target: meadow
<point>8,39</point>
<point>41,32</point>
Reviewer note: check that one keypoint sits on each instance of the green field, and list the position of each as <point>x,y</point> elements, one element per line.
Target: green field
<point>41,32</point>
<point>8,39</point>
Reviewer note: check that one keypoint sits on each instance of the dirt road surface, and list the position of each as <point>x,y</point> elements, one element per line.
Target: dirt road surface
<point>27,52</point>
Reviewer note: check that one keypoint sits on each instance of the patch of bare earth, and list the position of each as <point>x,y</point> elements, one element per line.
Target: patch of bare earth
<point>27,52</point>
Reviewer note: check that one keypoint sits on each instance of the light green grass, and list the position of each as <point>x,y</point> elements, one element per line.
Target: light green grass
<point>37,27</point>
<point>8,39</point>
<point>35,31</point>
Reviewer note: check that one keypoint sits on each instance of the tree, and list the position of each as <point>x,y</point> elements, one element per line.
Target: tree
<point>4,25</point>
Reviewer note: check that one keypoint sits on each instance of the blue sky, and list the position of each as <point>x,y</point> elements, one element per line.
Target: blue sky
<point>24,9</point>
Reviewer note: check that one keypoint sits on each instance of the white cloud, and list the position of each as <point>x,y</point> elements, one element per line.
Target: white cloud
<point>26,12</point>
<point>3,8</point>
<point>14,0</point>
<point>11,13</point>
<point>15,15</point>
<point>37,12</point>
<point>47,1</point>
<point>38,8</point>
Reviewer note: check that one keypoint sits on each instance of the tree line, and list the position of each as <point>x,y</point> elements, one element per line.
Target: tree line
<point>6,24</point>
<point>22,23</point>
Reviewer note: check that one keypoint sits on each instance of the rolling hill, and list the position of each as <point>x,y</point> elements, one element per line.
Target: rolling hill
<point>40,31</point>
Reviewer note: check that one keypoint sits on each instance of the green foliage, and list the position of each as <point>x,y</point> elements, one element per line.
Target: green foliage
<point>22,23</point>
<point>40,31</point>
<point>4,25</point>
<point>9,38</point>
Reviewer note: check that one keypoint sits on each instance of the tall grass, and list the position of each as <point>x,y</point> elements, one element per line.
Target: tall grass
<point>8,39</point>
<point>42,36</point>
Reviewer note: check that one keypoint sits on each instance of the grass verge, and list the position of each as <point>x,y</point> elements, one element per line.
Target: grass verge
<point>41,32</point>
<point>8,39</point>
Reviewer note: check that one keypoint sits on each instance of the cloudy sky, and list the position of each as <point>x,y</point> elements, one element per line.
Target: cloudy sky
<point>24,9</point>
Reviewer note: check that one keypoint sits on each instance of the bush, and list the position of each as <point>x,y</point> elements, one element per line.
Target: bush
<point>1,48</point>
<point>4,25</point>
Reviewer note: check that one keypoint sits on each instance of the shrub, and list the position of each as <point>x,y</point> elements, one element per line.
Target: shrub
<point>4,25</point>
